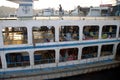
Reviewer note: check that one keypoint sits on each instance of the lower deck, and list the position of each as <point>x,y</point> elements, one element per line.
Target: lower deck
<point>57,72</point>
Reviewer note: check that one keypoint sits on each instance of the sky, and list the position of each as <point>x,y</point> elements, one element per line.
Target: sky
<point>66,4</point>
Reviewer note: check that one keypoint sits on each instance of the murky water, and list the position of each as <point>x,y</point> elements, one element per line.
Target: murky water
<point>111,74</point>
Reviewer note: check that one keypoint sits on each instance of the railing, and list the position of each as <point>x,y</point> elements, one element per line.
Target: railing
<point>69,58</point>
<point>65,18</point>
<point>76,18</point>
<point>44,61</point>
<point>18,64</point>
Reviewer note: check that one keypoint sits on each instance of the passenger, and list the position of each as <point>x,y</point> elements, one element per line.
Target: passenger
<point>70,57</point>
<point>50,36</point>
<point>61,58</point>
<point>86,31</point>
<point>104,36</point>
<point>74,36</point>
<point>110,32</point>
<point>83,37</point>
<point>68,36</point>
<point>79,9</point>
<point>96,34</point>
<point>91,34</point>
<point>66,55</point>
<point>60,10</point>
<point>62,55</point>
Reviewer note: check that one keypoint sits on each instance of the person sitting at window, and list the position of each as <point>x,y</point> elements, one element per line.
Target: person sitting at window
<point>70,57</point>
<point>68,36</point>
<point>104,36</point>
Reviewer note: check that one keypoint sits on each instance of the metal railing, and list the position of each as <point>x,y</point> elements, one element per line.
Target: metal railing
<point>65,18</point>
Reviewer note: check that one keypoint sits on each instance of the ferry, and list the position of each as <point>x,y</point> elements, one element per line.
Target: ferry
<point>54,47</point>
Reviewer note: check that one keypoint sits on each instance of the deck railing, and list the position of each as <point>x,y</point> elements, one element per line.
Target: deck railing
<point>64,18</point>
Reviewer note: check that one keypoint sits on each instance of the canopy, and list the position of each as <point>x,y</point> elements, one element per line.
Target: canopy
<point>18,1</point>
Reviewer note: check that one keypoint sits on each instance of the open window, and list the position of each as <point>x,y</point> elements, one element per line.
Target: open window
<point>89,52</point>
<point>90,32</point>
<point>107,50</point>
<point>43,34</point>
<point>17,59</point>
<point>14,35</point>
<point>69,33</point>
<point>109,31</point>
<point>68,54</point>
<point>44,57</point>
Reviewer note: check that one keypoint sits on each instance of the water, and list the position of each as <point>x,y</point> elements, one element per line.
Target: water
<point>111,74</point>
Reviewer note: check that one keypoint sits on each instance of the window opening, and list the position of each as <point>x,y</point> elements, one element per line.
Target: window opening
<point>109,31</point>
<point>69,33</point>
<point>44,57</point>
<point>17,59</point>
<point>43,34</point>
<point>90,32</point>
<point>107,50</point>
<point>69,54</point>
<point>89,52</point>
<point>15,35</point>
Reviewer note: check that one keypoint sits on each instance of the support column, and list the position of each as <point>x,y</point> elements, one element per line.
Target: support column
<point>3,60</point>
<point>57,32</point>
<point>115,49</point>
<point>30,35</point>
<point>31,54</point>
<point>57,51</point>
<point>79,53</point>
<point>99,51</point>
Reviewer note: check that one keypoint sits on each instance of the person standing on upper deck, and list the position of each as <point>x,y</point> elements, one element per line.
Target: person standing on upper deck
<point>60,10</point>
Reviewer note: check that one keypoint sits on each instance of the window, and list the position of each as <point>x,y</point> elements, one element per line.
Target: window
<point>0,63</point>
<point>89,52</point>
<point>107,50</point>
<point>14,35</point>
<point>68,54</point>
<point>90,32</point>
<point>105,12</point>
<point>69,33</point>
<point>44,56</point>
<point>109,31</point>
<point>43,34</point>
<point>17,59</point>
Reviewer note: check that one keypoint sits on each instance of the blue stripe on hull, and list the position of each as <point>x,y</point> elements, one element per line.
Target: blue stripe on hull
<point>58,67</point>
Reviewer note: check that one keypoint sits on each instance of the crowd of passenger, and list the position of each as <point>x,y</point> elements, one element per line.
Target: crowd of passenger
<point>69,33</point>
<point>68,54</point>
<point>90,32</point>
<point>89,52</point>
<point>45,34</point>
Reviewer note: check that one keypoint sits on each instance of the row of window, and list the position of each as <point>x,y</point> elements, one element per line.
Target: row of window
<point>43,34</point>
<point>48,56</point>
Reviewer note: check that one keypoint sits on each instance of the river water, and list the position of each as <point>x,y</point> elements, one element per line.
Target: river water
<point>111,74</point>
